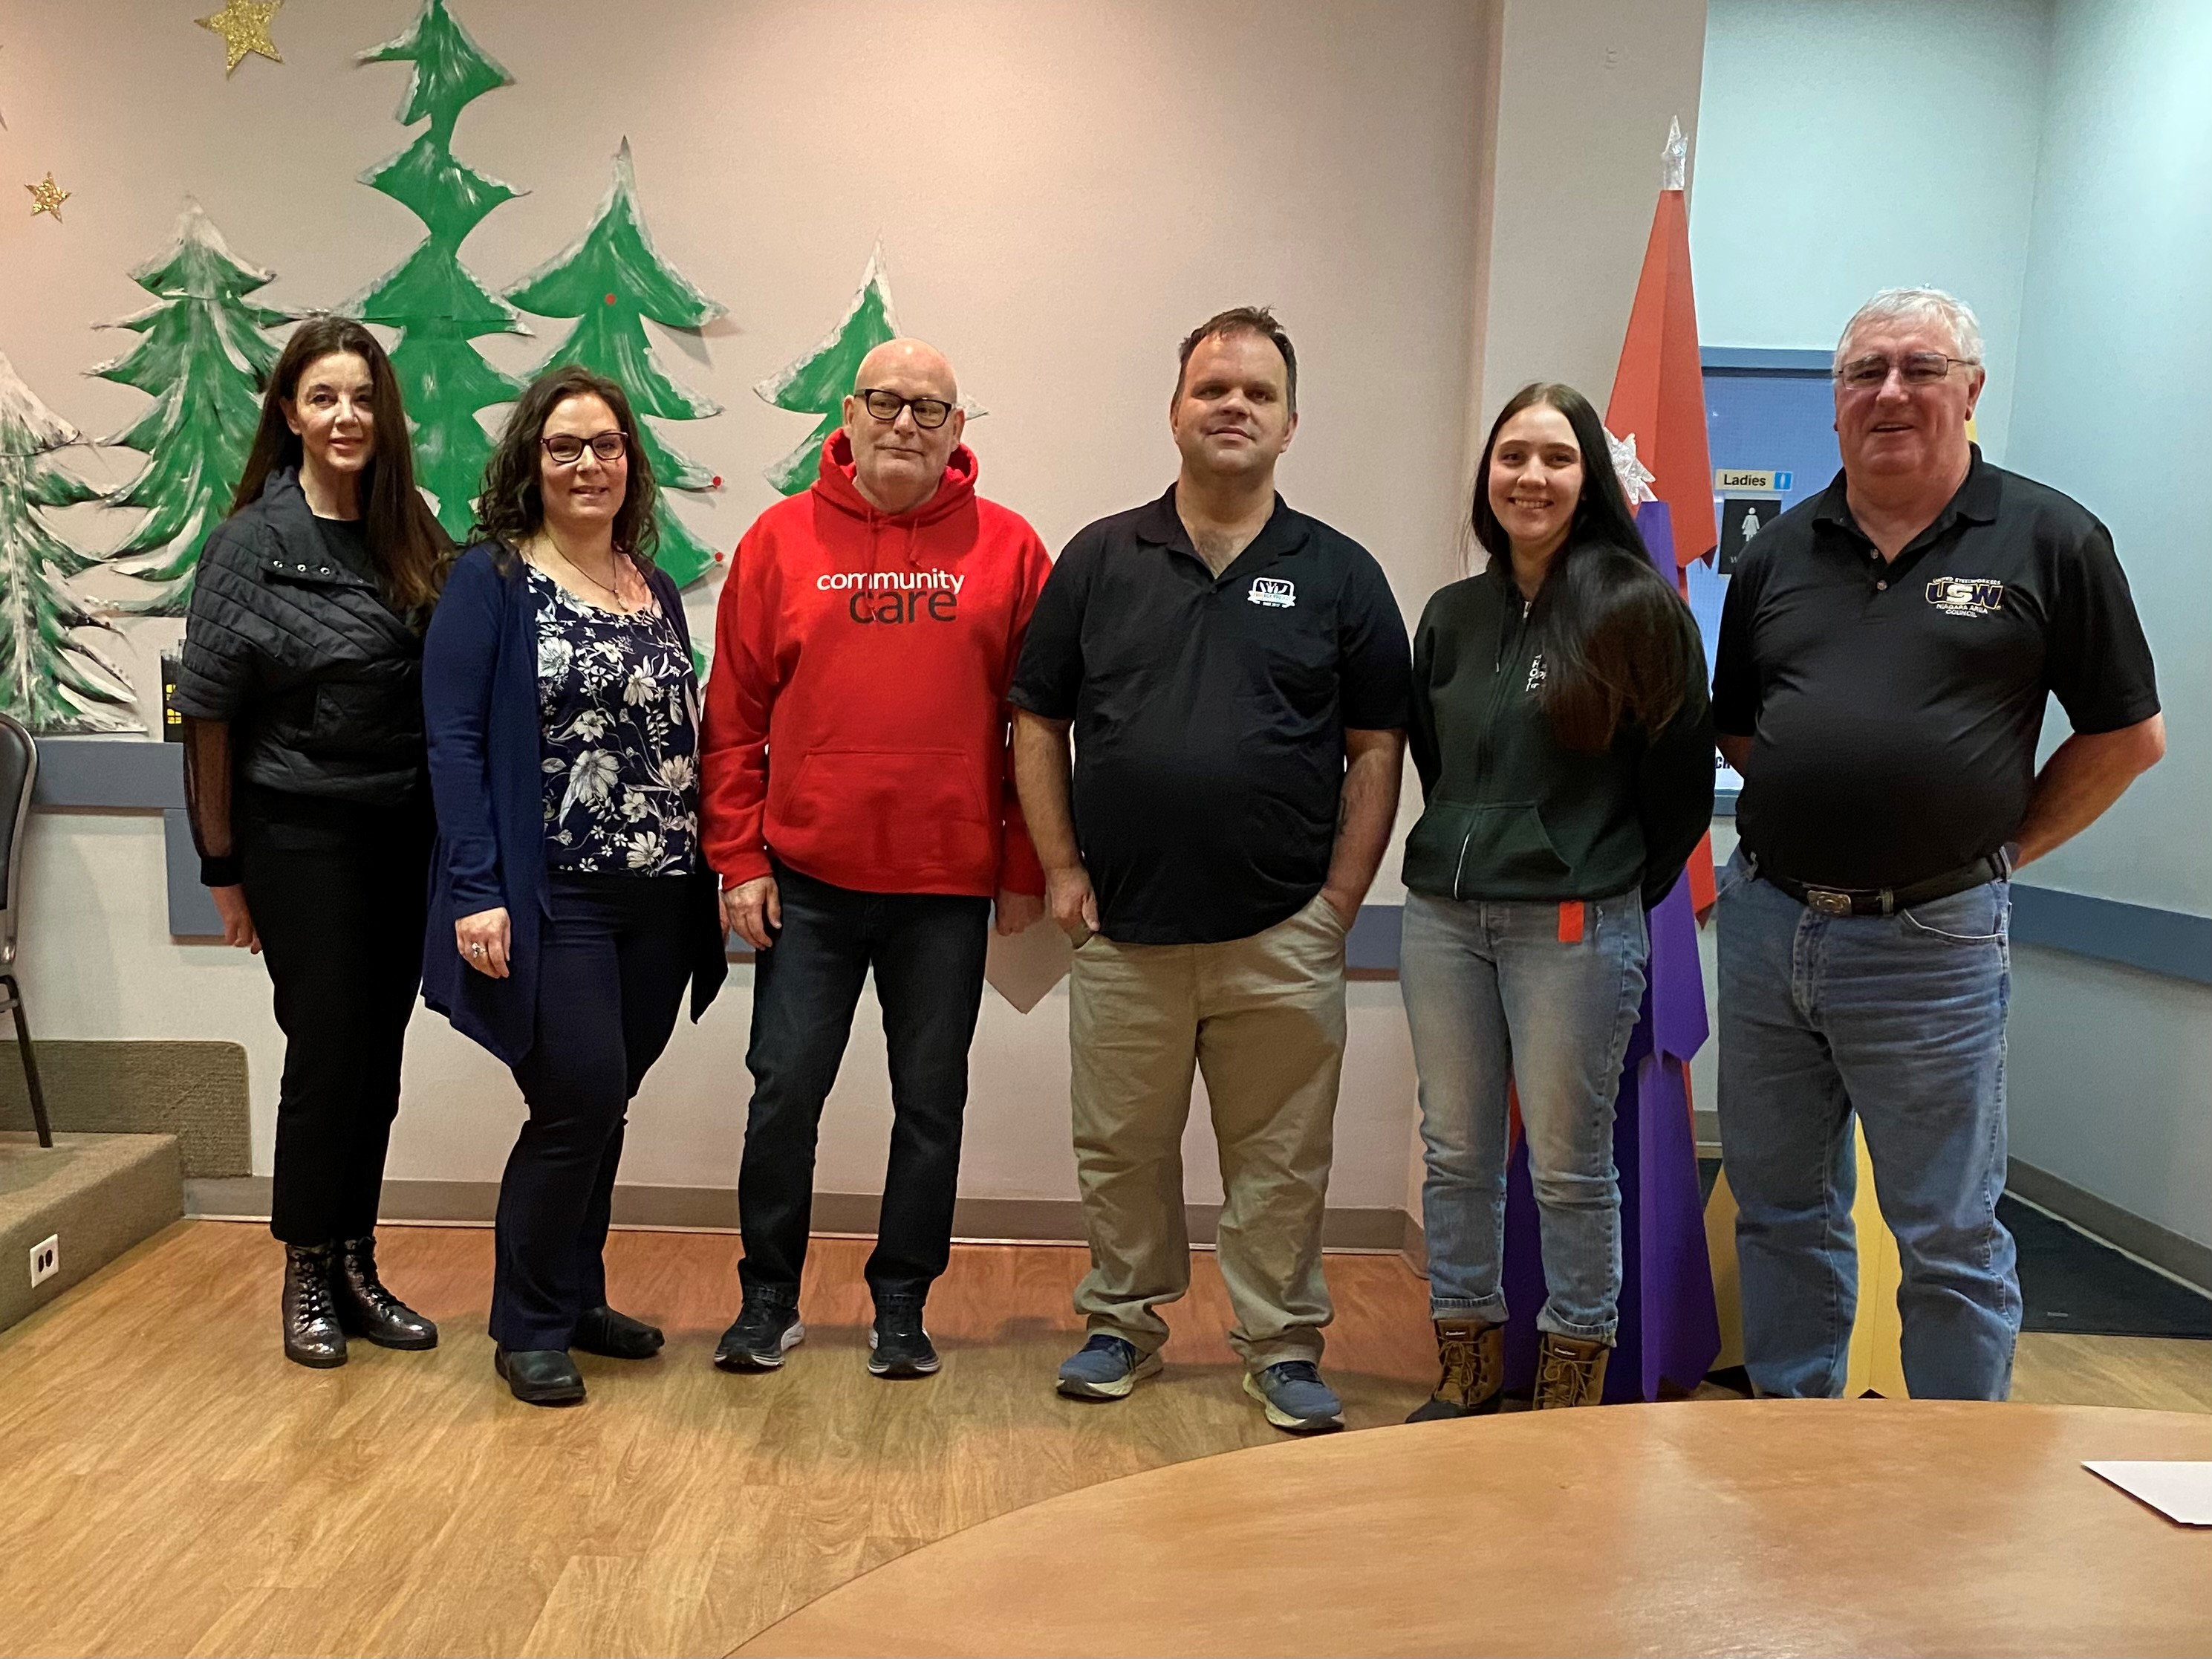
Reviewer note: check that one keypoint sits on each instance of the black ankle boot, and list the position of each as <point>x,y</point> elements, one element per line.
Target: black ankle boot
<point>365,1308</point>
<point>312,1335</point>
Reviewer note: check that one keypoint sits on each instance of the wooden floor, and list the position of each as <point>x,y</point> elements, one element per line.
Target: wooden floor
<point>172,1485</point>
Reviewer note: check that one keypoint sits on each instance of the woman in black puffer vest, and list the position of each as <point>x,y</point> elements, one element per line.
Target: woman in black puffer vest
<point>302,695</point>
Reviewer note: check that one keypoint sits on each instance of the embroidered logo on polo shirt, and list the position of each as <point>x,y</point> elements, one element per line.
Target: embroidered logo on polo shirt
<point>1966,596</point>
<point>1273,590</point>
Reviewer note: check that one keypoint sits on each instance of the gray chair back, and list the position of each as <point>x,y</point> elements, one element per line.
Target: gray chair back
<point>19,777</point>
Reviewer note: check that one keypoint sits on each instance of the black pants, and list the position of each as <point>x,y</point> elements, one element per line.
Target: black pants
<point>337,892</point>
<point>612,963</point>
<point>927,952</point>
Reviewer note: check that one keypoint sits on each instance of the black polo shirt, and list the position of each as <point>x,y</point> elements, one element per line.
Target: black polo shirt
<point>1210,712</point>
<point>1895,708</point>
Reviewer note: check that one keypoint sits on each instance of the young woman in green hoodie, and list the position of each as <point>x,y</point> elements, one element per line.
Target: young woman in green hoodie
<point>1566,749</point>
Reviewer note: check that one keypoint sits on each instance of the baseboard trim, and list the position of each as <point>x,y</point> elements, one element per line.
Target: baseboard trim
<point>715,1209</point>
<point>2172,1254</point>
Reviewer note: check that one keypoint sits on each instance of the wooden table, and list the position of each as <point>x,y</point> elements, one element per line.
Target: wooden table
<point>1803,1527</point>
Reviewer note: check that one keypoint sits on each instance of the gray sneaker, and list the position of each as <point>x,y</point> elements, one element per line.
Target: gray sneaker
<point>1106,1367</point>
<point>1295,1398</point>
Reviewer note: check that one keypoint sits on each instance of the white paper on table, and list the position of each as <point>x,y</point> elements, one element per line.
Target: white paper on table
<point>1024,966</point>
<point>2180,1492</point>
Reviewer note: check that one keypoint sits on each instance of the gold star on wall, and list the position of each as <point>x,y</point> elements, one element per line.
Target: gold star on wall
<point>244,26</point>
<point>47,197</point>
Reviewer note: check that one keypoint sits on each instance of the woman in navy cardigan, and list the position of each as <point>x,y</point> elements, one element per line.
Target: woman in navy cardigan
<point>569,905</point>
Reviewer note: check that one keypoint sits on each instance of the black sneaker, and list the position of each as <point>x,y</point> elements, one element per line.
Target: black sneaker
<point>762,1334</point>
<point>897,1345</point>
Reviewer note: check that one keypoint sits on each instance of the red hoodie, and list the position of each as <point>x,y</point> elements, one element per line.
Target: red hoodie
<point>870,655</point>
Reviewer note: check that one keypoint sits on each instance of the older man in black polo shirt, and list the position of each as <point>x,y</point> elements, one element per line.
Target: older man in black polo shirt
<point>1886,654</point>
<point>1237,677</point>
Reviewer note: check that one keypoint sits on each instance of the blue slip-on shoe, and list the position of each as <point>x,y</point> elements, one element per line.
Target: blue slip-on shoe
<point>1295,1398</point>
<point>1106,1367</point>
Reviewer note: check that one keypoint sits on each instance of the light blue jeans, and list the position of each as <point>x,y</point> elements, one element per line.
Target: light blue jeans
<point>1900,1019</point>
<point>1494,998</point>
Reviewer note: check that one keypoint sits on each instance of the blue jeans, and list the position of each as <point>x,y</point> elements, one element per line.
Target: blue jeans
<point>1494,998</point>
<point>1900,1019</point>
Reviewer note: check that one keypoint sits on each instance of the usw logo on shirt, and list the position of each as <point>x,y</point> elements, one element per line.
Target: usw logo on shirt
<point>1966,596</point>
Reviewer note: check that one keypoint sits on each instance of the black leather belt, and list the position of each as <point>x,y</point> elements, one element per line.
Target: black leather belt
<point>1888,901</point>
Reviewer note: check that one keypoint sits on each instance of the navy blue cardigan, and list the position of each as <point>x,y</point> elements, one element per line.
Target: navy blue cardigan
<point>480,716</point>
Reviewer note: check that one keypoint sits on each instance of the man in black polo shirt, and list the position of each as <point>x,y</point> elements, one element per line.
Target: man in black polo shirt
<point>1886,654</point>
<point>1237,677</point>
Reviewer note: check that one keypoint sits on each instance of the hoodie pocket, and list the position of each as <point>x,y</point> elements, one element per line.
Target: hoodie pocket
<point>895,811</point>
<point>1499,849</point>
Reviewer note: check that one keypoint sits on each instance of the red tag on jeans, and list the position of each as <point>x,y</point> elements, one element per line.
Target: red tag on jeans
<point>1571,921</point>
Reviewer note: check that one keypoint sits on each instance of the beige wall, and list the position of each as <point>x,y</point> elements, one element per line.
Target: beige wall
<point>1061,189</point>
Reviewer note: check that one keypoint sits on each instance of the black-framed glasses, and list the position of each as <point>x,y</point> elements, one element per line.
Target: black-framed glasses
<point>928,412</point>
<point>1917,368</point>
<point>566,448</point>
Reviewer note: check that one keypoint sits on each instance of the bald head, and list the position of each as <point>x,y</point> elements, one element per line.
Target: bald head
<point>898,460</point>
<point>908,360</point>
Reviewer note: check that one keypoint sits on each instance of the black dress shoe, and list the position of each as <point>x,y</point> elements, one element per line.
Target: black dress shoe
<point>366,1309</point>
<point>539,1376</point>
<point>312,1335</point>
<point>601,1330</point>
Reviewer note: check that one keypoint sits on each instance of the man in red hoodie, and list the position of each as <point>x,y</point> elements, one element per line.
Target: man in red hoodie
<point>859,808</point>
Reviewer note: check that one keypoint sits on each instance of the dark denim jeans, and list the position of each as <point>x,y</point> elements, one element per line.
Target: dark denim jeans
<point>927,951</point>
<point>612,962</point>
<point>1899,1020</point>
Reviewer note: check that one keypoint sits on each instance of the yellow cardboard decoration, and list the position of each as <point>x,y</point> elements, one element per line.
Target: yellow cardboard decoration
<point>1876,1364</point>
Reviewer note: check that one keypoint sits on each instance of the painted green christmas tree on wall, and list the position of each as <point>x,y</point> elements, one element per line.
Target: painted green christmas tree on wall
<point>817,383</point>
<point>51,679</point>
<point>203,358</point>
<point>610,279</point>
<point>431,298</point>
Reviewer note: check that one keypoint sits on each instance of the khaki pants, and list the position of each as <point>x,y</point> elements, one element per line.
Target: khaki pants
<point>1263,1019</point>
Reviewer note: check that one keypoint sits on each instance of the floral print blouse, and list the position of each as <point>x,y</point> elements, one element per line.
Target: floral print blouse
<point>618,711</point>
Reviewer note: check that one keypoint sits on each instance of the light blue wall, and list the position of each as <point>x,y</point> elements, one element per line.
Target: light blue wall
<point>2052,164</point>
<point>2112,1072</point>
<point>2114,404</point>
<point>1845,146</point>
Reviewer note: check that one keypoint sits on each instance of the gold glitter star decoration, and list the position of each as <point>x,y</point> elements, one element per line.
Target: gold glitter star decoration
<point>244,26</point>
<point>47,197</point>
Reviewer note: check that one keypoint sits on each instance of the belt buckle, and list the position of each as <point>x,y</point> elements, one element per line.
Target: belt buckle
<point>1827,900</point>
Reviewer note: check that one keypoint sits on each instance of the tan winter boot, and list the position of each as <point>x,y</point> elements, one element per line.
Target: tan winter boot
<point>1472,1355</point>
<point>1569,1372</point>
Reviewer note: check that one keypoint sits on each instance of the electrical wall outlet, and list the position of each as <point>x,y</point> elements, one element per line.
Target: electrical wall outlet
<point>45,1259</point>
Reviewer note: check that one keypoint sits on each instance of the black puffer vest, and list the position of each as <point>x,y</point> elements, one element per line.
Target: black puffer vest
<point>321,681</point>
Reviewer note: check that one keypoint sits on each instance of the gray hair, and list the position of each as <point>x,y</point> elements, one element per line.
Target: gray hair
<point>1918,305</point>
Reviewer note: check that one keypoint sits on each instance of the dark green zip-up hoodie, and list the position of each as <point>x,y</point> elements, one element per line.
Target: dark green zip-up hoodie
<point>1512,812</point>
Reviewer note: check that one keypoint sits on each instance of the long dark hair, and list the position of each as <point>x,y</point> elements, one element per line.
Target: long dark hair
<point>1619,644</point>
<point>411,549</point>
<point>512,508</point>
